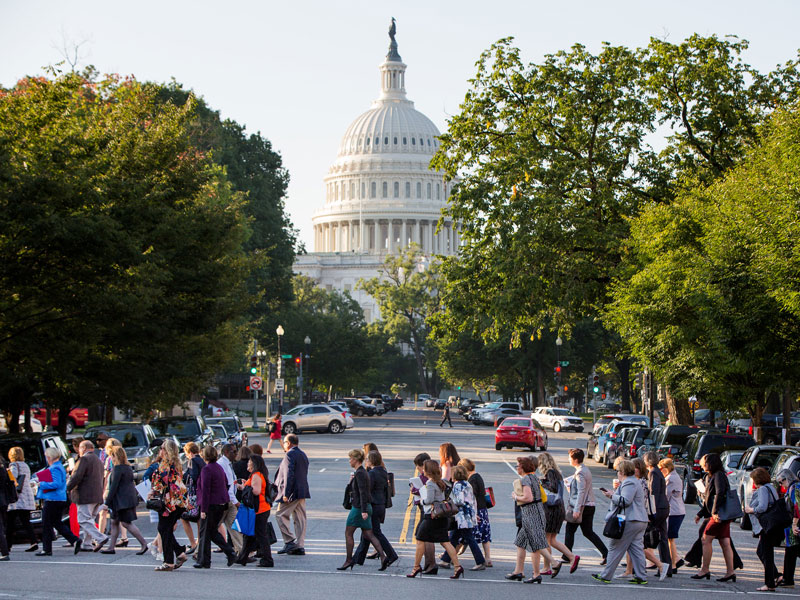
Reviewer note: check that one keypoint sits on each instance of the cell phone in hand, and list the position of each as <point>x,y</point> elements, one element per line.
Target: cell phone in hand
<point>602,489</point>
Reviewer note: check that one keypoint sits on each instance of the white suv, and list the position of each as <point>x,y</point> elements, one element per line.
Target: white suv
<point>474,414</point>
<point>558,418</point>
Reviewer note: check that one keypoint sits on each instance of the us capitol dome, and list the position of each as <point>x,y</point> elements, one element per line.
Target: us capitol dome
<point>380,194</point>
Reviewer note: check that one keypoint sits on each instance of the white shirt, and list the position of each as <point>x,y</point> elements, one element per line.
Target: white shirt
<point>223,462</point>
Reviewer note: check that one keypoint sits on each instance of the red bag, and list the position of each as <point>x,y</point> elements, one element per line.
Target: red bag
<point>489,497</point>
<point>74,526</point>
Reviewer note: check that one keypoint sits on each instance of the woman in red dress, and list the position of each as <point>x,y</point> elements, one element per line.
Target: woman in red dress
<point>274,428</point>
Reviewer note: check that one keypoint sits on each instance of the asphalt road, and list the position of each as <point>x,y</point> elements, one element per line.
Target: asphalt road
<point>399,436</point>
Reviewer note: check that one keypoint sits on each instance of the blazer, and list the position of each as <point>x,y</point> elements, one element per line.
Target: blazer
<point>674,495</point>
<point>22,473</point>
<point>630,493</point>
<point>85,486</point>
<point>212,487</point>
<point>716,494</point>
<point>360,495</point>
<point>379,481</point>
<point>433,494</point>
<point>583,477</point>
<point>657,486</point>
<point>292,477</point>
<point>55,490</point>
<point>121,490</point>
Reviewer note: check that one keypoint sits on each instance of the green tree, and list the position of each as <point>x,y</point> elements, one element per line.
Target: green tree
<point>121,246</point>
<point>407,292</point>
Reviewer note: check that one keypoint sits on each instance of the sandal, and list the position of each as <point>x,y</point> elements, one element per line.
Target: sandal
<point>179,562</point>
<point>165,567</point>
<point>764,588</point>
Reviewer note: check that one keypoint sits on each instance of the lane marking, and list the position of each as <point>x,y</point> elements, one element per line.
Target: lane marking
<point>407,517</point>
<point>322,470</point>
<point>510,466</point>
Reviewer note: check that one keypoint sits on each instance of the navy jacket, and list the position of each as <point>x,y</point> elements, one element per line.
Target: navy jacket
<point>292,477</point>
<point>121,490</point>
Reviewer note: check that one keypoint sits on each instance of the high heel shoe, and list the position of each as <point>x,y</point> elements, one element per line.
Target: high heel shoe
<point>388,563</point>
<point>731,578</point>
<point>415,572</point>
<point>556,569</point>
<point>121,544</point>
<point>347,565</point>
<point>702,576</point>
<point>534,580</point>
<point>679,564</point>
<point>458,572</point>
<point>144,550</point>
<point>515,576</point>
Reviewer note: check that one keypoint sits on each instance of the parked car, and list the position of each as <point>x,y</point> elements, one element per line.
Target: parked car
<point>338,405</point>
<point>739,477</point>
<point>33,446</point>
<point>237,435</point>
<point>520,431</point>
<point>36,424</point>
<point>628,443</point>
<point>609,435</point>
<point>468,404</point>
<point>496,416</point>
<point>185,429</point>
<point>604,420</point>
<point>439,404</point>
<point>643,420</point>
<point>359,408</point>
<point>380,407</point>
<point>771,427</point>
<point>702,418</point>
<point>788,459</point>
<point>393,403</point>
<point>558,419</point>
<point>78,417</point>
<point>475,413</point>
<point>664,440</point>
<point>427,399</point>
<point>136,438</point>
<point>699,444</point>
<point>316,417</point>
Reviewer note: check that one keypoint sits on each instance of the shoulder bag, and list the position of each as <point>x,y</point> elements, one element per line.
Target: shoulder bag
<point>347,503</point>
<point>776,517</point>
<point>444,509</point>
<point>489,497</point>
<point>731,508</point>
<point>615,525</point>
<point>11,488</point>
<point>247,497</point>
<point>156,503</point>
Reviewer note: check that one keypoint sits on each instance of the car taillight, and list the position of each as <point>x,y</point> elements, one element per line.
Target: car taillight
<point>613,436</point>
<point>633,449</point>
<point>344,415</point>
<point>750,430</point>
<point>696,465</point>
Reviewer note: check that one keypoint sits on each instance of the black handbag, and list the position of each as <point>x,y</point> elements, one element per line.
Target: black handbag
<point>271,537</point>
<point>347,503</point>
<point>444,509</point>
<point>156,504</point>
<point>247,498</point>
<point>615,526</point>
<point>775,518</point>
<point>652,536</point>
<point>731,508</point>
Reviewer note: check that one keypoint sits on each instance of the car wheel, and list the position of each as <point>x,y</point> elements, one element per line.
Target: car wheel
<point>289,428</point>
<point>70,426</point>
<point>335,427</point>
<point>597,454</point>
<point>689,493</point>
<point>498,446</point>
<point>556,426</point>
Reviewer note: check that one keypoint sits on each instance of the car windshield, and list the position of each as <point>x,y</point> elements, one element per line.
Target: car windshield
<point>177,428</point>
<point>34,453</point>
<point>129,438</point>
<point>219,430</point>
<point>229,423</point>
<point>563,412</point>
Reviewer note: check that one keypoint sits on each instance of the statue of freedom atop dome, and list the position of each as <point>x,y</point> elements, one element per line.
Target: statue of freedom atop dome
<point>392,29</point>
<point>393,55</point>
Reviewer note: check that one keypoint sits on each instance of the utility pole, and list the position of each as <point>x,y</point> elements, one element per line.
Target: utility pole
<point>255,392</point>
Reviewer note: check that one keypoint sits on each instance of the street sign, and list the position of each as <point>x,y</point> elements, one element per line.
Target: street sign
<point>564,363</point>
<point>695,404</point>
<point>255,383</point>
<point>286,356</point>
<point>279,385</point>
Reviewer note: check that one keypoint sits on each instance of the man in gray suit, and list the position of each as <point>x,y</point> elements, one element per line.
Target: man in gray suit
<point>85,488</point>
<point>292,482</point>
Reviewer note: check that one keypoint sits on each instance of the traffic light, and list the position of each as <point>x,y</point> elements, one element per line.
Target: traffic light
<point>558,369</point>
<point>297,360</point>
<point>254,365</point>
<point>566,388</point>
<point>272,371</point>
<point>596,383</point>
<point>603,396</point>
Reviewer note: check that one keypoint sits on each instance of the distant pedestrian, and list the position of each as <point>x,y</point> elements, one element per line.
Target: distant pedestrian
<point>448,459</point>
<point>483,529</point>
<point>53,493</point>
<point>85,488</point>
<point>19,513</point>
<point>446,415</point>
<point>274,429</point>
<point>582,505</point>
<point>212,500</point>
<point>121,500</point>
<point>293,491</point>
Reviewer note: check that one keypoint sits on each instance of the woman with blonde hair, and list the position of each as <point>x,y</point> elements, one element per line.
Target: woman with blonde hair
<point>168,486</point>
<point>121,500</point>
<point>430,529</point>
<point>448,458</point>
<point>19,513</point>
<point>554,514</point>
<point>108,466</point>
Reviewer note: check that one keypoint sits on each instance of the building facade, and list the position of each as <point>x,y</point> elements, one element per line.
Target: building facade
<point>380,193</point>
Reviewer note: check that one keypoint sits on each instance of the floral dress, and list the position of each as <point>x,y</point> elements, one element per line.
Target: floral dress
<point>464,498</point>
<point>167,482</point>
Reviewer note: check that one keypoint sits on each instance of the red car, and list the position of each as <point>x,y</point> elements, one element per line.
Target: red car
<point>78,417</point>
<point>520,431</point>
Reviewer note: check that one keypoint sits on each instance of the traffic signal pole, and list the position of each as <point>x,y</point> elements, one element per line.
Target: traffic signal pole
<point>255,392</point>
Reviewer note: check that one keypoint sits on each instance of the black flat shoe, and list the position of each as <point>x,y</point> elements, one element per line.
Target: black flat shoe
<point>43,553</point>
<point>373,556</point>
<point>514,576</point>
<point>200,566</point>
<point>703,576</point>
<point>731,578</point>
<point>32,548</point>
<point>144,549</point>
<point>534,580</point>
<point>108,551</point>
<point>680,563</point>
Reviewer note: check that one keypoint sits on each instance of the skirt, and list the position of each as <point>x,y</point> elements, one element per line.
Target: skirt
<point>482,532</point>
<point>432,530</point>
<point>530,535</point>
<point>124,515</point>
<point>553,518</point>
<point>719,530</point>
<point>674,526</point>
<point>354,518</point>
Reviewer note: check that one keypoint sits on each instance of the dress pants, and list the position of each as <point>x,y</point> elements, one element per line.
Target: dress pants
<point>465,536</point>
<point>766,554</point>
<point>52,511</point>
<point>259,540</point>
<point>209,532</point>
<point>228,518</point>
<point>20,520</point>
<point>790,563</point>
<point>659,521</point>
<point>166,527</point>
<point>378,516</point>
<point>3,541</point>
<point>586,530</point>
<point>283,516</point>
<point>87,514</point>
<point>632,541</point>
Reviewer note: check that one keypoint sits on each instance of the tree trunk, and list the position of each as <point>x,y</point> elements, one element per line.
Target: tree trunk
<point>63,417</point>
<point>679,412</point>
<point>420,364</point>
<point>539,399</point>
<point>756,415</point>
<point>109,413</point>
<point>624,368</point>
<point>787,416</point>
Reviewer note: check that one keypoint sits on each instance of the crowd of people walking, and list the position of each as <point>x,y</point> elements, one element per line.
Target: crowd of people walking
<point>230,497</point>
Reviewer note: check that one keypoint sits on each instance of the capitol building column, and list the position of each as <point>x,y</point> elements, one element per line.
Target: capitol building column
<point>403,235</point>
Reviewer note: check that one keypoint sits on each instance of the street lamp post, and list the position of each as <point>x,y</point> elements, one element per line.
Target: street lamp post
<point>280,332</point>
<point>262,356</point>
<point>307,342</point>
<point>558,367</point>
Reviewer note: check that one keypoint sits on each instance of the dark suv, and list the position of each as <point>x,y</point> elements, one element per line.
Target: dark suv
<point>185,429</point>
<point>663,440</point>
<point>236,433</point>
<point>137,439</point>
<point>33,446</point>
<point>359,408</point>
<point>698,445</point>
<point>628,443</point>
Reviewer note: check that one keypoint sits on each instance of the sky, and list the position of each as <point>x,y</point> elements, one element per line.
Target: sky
<point>300,72</point>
